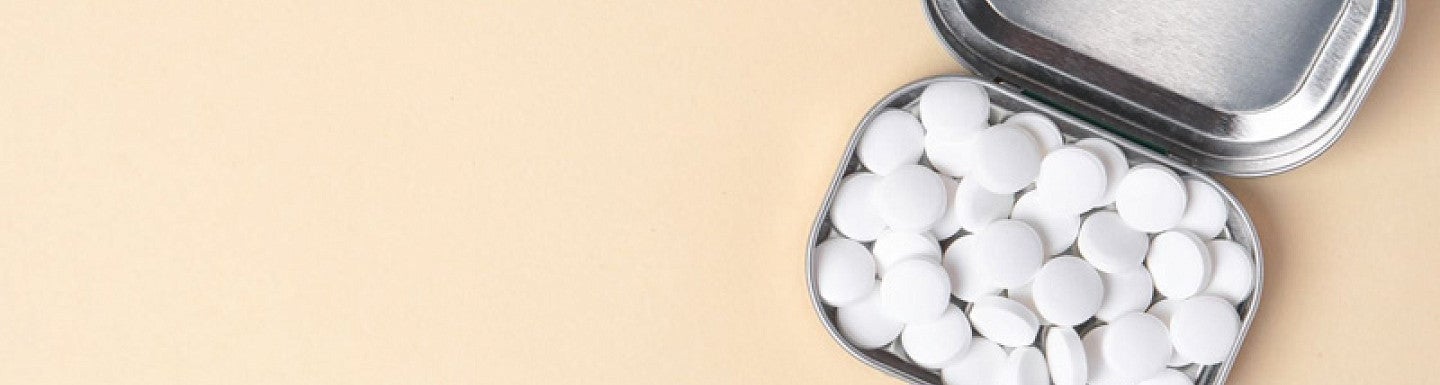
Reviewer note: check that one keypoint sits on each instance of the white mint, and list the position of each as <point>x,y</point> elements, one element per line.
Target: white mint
<point>844,271</point>
<point>1095,364</point>
<point>1151,198</point>
<point>1109,244</point>
<point>1024,296</point>
<point>979,365</point>
<point>950,155</point>
<point>894,246</point>
<point>949,224</point>
<point>966,281</point>
<point>1009,253</point>
<point>1179,263</point>
<point>1125,292</point>
<point>1234,271</point>
<point>1057,229</point>
<point>1072,180</point>
<point>1168,377</point>
<point>1205,210</point>
<point>1204,329</point>
<point>1024,366</point>
<point>954,109</point>
<point>975,207</point>
<point>1116,165</point>
<point>914,290</point>
<point>1067,291</point>
<point>1046,134</point>
<point>852,212</point>
<point>934,344</point>
<point>1136,346</point>
<point>1065,355</point>
<point>893,139</point>
<point>1004,321</point>
<point>864,325</point>
<point>1006,159</point>
<point>1163,310</point>
<point>911,198</point>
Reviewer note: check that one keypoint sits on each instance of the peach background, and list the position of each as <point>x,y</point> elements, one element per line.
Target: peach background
<point>391,192</point>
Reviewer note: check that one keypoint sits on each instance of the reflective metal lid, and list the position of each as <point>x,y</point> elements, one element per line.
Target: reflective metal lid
<point>1236,87</point>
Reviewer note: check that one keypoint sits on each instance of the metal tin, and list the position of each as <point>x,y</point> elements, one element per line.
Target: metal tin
<point>1005,100</point>
<point>1233,87</point>
<point>1236,87</point>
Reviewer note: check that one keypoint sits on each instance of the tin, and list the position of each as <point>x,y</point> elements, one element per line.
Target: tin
<point>1215,112</point>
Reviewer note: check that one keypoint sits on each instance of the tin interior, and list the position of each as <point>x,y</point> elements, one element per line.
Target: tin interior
<point>1236,87</point>
<point>1005,101</point>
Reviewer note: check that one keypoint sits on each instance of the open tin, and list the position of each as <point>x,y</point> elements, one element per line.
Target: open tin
<point>1231,87</point>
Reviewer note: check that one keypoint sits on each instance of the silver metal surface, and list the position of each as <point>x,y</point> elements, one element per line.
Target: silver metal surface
<point>1244,88</point>
<point>1005,101</point>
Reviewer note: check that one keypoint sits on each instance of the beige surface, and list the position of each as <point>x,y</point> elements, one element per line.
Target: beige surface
<point>452,192</point>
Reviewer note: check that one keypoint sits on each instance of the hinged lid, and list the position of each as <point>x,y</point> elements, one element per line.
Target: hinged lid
<point>1237,87</point>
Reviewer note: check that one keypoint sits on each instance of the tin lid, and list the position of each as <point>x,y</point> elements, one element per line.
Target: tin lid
<point>1236,87</point>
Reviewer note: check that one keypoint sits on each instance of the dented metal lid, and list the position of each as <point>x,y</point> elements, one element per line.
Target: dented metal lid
<point>1236,87</point>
